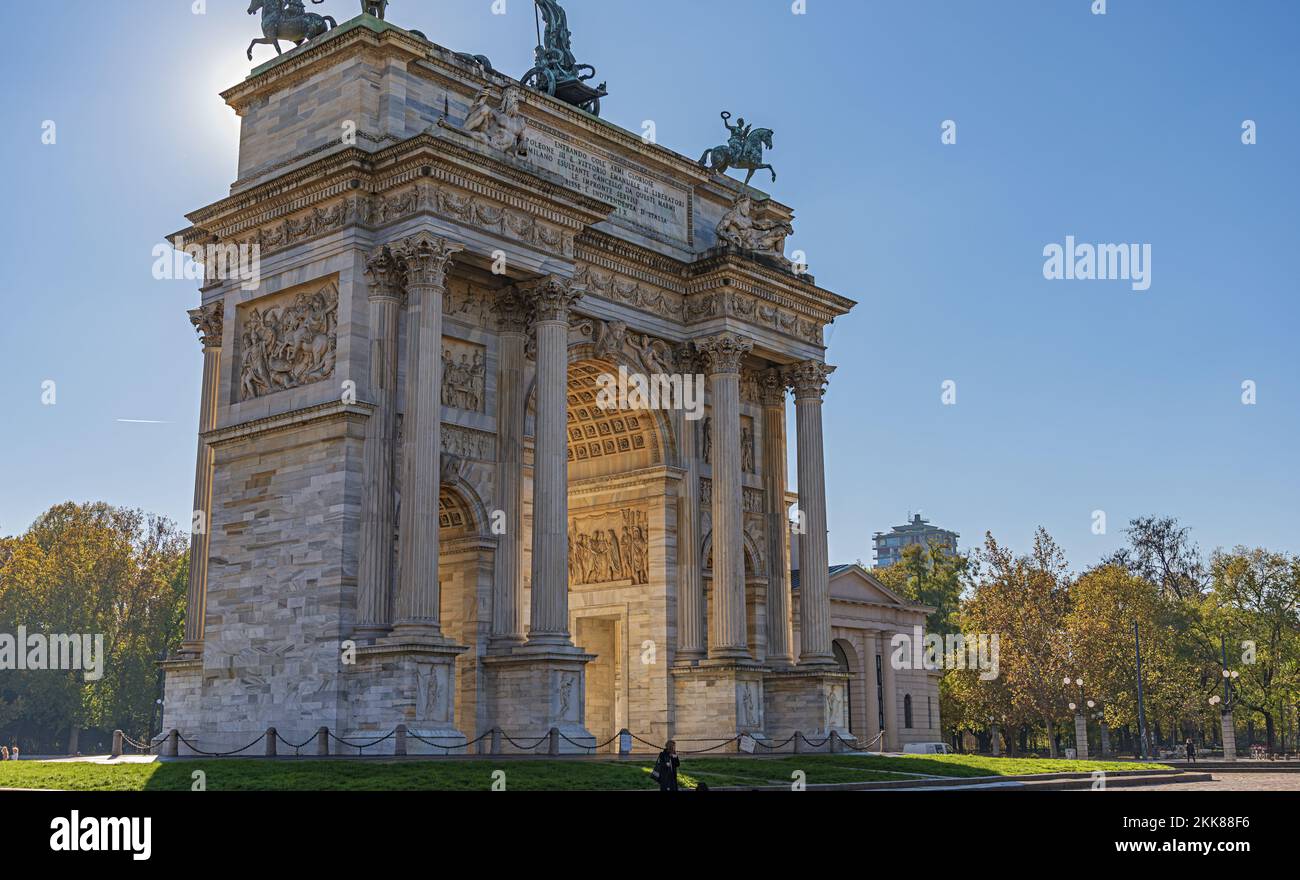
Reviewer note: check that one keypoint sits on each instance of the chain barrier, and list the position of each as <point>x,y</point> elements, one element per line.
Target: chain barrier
<point>197,750</point>
<point>589,749</point>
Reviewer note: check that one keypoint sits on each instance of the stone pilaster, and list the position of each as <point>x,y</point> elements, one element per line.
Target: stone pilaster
<point>209,321</point>
<point>378,513</point>
<point>780,640</point>
<point>551,299</point>
<point>872,701</point>
<point>808,379</point>
<point>692,643</point>
<point>425,261</point>
<point>889,743</point>
<point>511,309</point>
<point>724,354</point>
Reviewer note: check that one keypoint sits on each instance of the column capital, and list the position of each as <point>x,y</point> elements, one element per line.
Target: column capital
<point>808,379</point>
<point>724,351</point>
<point>425,259</point>
<point>772,387</point>
<point>209,321</point>
<point>384,274</point>
<point>511,308</point>
<point>550,298</point>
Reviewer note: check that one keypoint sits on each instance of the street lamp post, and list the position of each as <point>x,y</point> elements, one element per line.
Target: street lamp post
<point>1225,705</point>
<point>1142,711</point>
<point>1080,719</point>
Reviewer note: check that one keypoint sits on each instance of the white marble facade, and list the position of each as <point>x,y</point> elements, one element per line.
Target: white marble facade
<point>417,509</point>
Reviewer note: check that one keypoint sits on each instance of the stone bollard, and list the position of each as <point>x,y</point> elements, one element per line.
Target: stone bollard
<point>997,741</point>
<point>496,741</point>
<point>323,742</point>
<point>624,742</point>
<point>399,741</point>
<point>1081,736</point>
<point>172,745</point>
<point>1105,740</point>
<point>797,738</point>
<point>117,744</point>
<point>271,737</point>
<point>836,745</point>
<point>555,741</point>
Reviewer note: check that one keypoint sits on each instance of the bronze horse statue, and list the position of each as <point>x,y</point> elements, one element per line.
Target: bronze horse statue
<point>743,151</point>
<point>288,20</point>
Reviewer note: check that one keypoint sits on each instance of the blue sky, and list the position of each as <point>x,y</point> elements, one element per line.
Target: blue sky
<point>1072,396</point>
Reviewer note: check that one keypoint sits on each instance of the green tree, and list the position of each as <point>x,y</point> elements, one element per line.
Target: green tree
<point>99,570</point>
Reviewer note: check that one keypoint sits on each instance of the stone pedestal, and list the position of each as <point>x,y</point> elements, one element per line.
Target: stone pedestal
<point>717,701</point>
<point>395,682</point>
<point>1105,740</point>
<point>1229,737</point>
<point>1081,736</point>
<point>533,690</point>
<point>996,741</point>
<point>811,701</point>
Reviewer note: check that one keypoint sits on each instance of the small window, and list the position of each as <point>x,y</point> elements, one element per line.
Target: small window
<point>907,711</point>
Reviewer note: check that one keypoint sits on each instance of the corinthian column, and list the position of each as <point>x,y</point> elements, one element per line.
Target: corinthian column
<point>209,321</point>
<point>508,587</point>
<point>727,638</point>
<point>691,641</point>
<point>425,261</point>
<point>780,644</point>
<point>378,513</point>
<point>808,379</point>
<point>551,299</point>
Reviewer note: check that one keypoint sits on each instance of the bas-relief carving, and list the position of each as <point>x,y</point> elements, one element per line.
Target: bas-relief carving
<point>467,443</point>
<point>287,345</point>
<point>746,442</point>
<point>751,712</point>
<point>466,302</point>
<point>566,697</point>
<point>836,717</point>
<point>464,375</point>
<point>431,691</point>
<point>609,548</point>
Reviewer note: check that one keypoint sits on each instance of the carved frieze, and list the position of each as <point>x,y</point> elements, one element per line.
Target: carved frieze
<point>747,307</point>
<point>609,548</point>
<point>467,443</point>
<point>629,292</point>
<point>288,342</point>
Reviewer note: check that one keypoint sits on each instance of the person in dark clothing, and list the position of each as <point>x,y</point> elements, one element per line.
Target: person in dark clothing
<point>667,766</point>
<point>1191,750</point>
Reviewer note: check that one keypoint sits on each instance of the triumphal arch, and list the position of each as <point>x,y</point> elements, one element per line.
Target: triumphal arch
<point>496,436</point>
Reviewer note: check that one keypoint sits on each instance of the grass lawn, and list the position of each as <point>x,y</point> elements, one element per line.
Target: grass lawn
<point>521,775</point>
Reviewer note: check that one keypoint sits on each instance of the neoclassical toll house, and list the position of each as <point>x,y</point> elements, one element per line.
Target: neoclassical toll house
<point>414,506</point>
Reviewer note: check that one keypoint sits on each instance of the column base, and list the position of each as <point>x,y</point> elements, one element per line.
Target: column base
<point>400,680</point>
<point>536,688</point>
<point>810,701</point>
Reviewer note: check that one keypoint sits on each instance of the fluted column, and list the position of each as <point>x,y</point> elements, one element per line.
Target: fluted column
<point>780,642</point>
<point>209,321</point>
<point>378,512</point>
<point>551,299</point>
<point>691,639</point>
<point>511,309</point>
<point>808,379</point>
<point>727,631</point>
<point>425,261</point>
